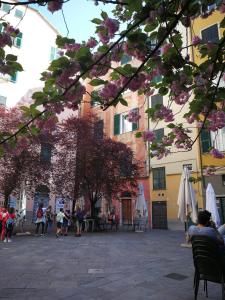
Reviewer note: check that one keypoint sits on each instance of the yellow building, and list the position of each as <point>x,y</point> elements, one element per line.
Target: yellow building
<point>209,30</point>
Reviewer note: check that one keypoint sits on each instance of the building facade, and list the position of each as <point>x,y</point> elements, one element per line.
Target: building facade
<point>209,31</point>
<point>34,48</point>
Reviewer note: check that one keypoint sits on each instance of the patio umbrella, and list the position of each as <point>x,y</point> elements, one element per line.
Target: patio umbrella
<point>211,204</point>
<point>141,205</point>
<point>186,198</point>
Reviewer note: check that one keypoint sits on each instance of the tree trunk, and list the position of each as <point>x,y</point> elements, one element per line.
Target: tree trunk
<point>6,200</point>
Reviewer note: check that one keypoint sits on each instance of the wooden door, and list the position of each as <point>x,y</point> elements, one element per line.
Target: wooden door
<point>126,211</point>
<point>159,215</point>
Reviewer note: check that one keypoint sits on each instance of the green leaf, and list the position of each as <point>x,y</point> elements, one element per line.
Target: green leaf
<point>1,151</point>
<point>96,82</point>
<point>171,125</point>
<point>61,62</point>
<point>61,41</point>
<point>123,102</point>
<point>104,15</point>
<point>96,21</point>
<point>163,91</point>
<point>11,57</point>
<point>2,54</point>
<point>134,5</point>
<point>151,26</point>
<point>34,130</point>
<point>138,134</point>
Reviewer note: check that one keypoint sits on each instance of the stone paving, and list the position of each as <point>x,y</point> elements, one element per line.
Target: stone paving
<point>107,266</point>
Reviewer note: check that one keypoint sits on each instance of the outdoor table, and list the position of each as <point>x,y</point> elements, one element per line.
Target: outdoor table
<point>88,223</point>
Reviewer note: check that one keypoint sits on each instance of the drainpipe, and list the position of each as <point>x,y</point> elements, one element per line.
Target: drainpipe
<point>149,162</point>
<point>203,184</point>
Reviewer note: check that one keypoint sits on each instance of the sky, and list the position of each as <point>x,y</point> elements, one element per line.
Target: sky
<point>78,14</point>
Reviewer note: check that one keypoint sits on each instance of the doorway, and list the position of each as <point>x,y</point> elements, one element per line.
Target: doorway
<point>126,211</point>
<point>159,215</point>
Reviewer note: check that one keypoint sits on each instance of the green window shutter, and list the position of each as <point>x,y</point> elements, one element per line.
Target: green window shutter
<point>52,53</point>
<point>135,125</point>
<point>3,100</point>
<point>125,59</point>
<point>117,124</point>
<point>1,28</point>
<point>18,40</point>
<point>205,139</point>
<point>159,178</point>
<point>159,133</point>
<point>18,14</point>
<point>157,79</point>
<point>6,7</point>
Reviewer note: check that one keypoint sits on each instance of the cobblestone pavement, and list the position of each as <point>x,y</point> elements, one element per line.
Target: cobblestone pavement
<point>123,265</point>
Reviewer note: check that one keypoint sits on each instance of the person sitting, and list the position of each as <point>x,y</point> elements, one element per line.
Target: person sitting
<point>205,227</point>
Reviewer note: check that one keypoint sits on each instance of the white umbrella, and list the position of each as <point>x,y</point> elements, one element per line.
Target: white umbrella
<point>186,198</point>
<point>141,205</point>
<point>211,204</point>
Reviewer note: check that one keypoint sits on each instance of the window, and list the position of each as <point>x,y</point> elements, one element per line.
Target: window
<point>46,153</point>
<point>125,59</point>
<point>13,78</point>
<point>211,7</point>
<point>18,40</point>
<point>157,79</point>
<point>159,134</point>
<point>159,179</point>
<point>53,53</point>
<point>3,100</point>
<point>122,125</point>
<point>98,129</point>
<point>189,166</point>
<point>18,13</point>
<point>94,103</point>
<point>6,7</point>
<point>205,139</point>
<point>211,34</point>
<point>156,99</point>
<point>218,139</point>
<point>1,28</point>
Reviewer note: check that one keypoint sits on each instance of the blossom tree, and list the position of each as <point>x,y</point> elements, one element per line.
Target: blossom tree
<point>150,33</point>
<point>21,164</point>
<point>90,165</point>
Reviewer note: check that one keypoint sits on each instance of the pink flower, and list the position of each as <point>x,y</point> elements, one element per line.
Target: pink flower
<point>216,153</point>
<point>196,40</point>
<point>133,116</point>
<point>148,136</point>
<point>91,43</point>
<point>55,5</point>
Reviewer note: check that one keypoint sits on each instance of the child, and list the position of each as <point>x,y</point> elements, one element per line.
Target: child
<point>59,220</point>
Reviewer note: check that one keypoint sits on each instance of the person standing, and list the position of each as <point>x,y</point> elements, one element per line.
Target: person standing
<point>10,224</point>
<point>4,217</point>
<point>40,219</point>
<point>59,220</point>
<point>48,219</point>
<point>79,215</point>
<point>66,222</point>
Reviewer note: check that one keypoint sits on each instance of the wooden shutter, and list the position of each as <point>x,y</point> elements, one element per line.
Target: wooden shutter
<point>205,139</point>
<point>117,124</point>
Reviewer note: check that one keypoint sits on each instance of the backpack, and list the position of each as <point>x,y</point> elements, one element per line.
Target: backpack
<point>9,223</point>
<point>40,213</point>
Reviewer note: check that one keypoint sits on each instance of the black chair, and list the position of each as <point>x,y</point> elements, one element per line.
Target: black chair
<point>209,263</point>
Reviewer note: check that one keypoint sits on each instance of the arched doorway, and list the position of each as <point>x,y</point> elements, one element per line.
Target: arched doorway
<point>41,196</point>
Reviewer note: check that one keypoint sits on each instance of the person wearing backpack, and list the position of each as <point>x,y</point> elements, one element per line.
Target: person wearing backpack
<point>79,216</point>
<point>59,222</point>
<point>40,219</point>
<point>10,224</point>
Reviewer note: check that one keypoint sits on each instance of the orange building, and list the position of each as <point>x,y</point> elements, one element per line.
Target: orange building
<point>115,125</point>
